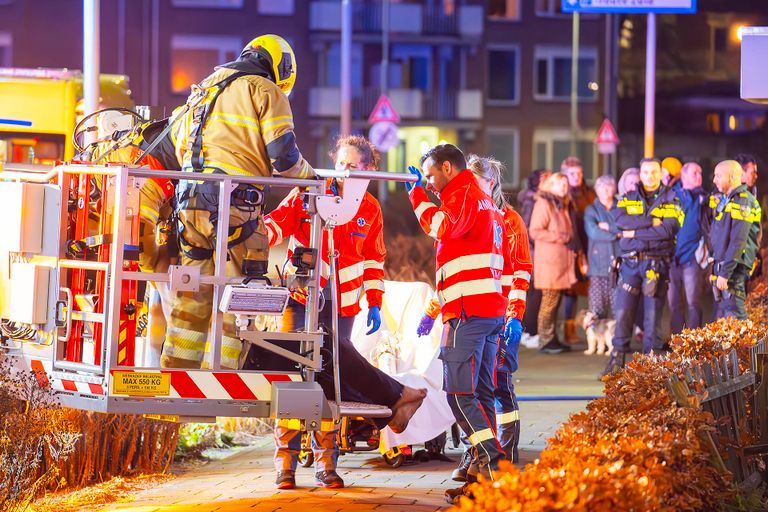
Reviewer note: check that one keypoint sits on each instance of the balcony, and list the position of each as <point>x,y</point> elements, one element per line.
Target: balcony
<point>411,104</point>
<point>403,18</point>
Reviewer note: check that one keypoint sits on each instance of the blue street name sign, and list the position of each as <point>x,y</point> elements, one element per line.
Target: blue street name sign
<point>630,6</point>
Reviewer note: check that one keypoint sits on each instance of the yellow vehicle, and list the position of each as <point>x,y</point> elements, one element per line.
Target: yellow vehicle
<point>40,108</point>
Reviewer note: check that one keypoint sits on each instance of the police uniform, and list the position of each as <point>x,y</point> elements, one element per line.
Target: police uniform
<point>645,259</point>
<point>733,238</point>
<point>469,234</point>
<point>238,122</point>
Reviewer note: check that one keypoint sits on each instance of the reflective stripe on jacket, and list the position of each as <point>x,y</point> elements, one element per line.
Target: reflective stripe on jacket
<point>359,244</point>
<point>469,234</point>
<point>637,212</point>
<point>518,265</point>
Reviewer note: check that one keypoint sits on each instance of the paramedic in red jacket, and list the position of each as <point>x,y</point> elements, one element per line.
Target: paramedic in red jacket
<point>360,263</point>
<point>469,241</point>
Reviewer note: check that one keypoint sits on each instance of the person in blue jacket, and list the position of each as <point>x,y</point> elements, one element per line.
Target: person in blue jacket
<point>648,219</point>
<point>686,275</point>
<point>603,238</point>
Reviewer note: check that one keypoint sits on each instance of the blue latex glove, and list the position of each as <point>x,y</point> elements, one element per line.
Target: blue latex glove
<point>419,183</point>
<point>425,325</point>
<point>374,318</point>
<point>509,346</point>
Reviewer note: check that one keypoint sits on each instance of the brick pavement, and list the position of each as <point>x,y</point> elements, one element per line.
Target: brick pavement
<point>245,481</point>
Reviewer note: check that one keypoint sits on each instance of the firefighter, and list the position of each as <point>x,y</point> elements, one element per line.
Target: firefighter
<point>733,237</point>
<point>360,271</point>
<point>648,220</point>
<point>237,121</point>
<point>470,242</point>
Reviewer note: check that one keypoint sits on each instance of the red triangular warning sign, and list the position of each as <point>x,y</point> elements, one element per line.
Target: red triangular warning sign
<point>607,133</point>
<point>383,112</point>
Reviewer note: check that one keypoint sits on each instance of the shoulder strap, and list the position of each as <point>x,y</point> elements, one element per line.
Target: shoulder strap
<point>197,143</point>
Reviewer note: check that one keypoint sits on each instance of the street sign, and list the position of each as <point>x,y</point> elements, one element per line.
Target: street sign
<point>383,135</point>
<point>606,138</point>
<point>383,112</point>
<point>630,6</point>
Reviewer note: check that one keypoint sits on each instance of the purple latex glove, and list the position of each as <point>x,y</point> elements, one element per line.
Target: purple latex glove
<point>425,325</point>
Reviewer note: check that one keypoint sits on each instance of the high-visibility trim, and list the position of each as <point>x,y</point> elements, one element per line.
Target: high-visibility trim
<point>230,351</point>
<point>737,212</point>
<point>713,201</point>
<point>481,435</point>
<point>669,211</point>
<point>469,288</point>
<point>522,274</point>
<point>234,120</point>
<point>373,284</point>
<point>436,224</point>
<point>275,230</point>
<point>274,122</point>
<point>517,295</point>
<point>373,264</point>
<point>633,207</point>
<point>422,208</point>
<point>471,262</point>
<point>350,298</point>
<point>351,272</point>
<point>149,213</point>
<point>506,280</point>
<point>507,417</point>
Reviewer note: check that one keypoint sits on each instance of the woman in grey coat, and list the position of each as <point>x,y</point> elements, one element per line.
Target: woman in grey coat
<point>603,238</point>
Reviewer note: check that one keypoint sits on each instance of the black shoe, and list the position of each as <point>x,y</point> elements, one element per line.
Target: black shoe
<point>616,363</point>
<point>460,473</point>
<point>663,351</point>
<point>453,496</point>
<point>285,480</point>
<point>329,479</point>
<point>554,347</point>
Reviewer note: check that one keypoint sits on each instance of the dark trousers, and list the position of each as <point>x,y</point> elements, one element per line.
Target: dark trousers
<point>530,318</point>
<point>686,281</point>
<point>732,303</point>
<point>628,294</point>
<point>360,380</point>
<point>469,360</point>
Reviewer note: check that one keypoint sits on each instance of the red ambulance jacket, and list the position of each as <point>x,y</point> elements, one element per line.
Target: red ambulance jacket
<point>469,241</point>
<point>359,244</point>
<point>517,264</point>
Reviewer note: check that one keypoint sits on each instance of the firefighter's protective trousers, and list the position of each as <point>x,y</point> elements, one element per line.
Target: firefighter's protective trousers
<point>507,410</point>
<point>633,275</point>
<point>469,359</point>
<point>188,326</point>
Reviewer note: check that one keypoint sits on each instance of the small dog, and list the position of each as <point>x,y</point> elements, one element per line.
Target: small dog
<point>599,332</point>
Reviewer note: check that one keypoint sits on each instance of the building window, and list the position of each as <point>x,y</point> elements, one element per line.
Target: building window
<point>503,144</point>
<point>552,74</point>
<point>276,7</point>
<point>209,4</point>
<point>413,66</point>
<point>330,68</point>
<point>194,57</point>
<point>6,45</point>
<point>549,8</point>
<point>503,74</point>
<point>508,10</point>
<point>552,146</point>
<point>720,39</point>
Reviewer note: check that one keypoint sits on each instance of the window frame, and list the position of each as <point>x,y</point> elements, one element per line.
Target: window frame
<point>549,136</point>
<point>508,19</point>
<point>495,102</point>
<point>208,4</point>
<point>259,7</point>
<point>222,43</point>
<point>513,168</point>
<point>550,53</point>
<point>6,41</point>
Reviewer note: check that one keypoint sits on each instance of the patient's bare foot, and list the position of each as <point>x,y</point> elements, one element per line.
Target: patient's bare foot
<point>404,409</point>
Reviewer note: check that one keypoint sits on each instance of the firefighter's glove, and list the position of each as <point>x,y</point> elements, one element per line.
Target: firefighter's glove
<point>374,319</point>
<point>418,183</point>
<point>425,325</point>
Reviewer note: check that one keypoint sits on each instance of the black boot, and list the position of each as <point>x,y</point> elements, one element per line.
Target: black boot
<point>554,347</point>
<point>460,473</point>
<point>617,361</point>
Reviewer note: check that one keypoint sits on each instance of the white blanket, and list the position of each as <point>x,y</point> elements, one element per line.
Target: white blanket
<point>412,360</point>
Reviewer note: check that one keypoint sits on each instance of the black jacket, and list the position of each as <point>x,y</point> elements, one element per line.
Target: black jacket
<point>636,212</point>
<point>734,231</point>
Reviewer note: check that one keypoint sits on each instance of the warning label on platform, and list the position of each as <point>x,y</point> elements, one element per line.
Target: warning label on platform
<point>141,384</point>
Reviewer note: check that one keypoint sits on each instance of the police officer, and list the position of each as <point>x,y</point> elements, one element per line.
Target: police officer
<point>733,237</point>
<point>236,121</point>
<point>648,219</point>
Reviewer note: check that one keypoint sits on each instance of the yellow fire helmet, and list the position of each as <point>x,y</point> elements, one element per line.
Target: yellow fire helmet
<point>280,55</point>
